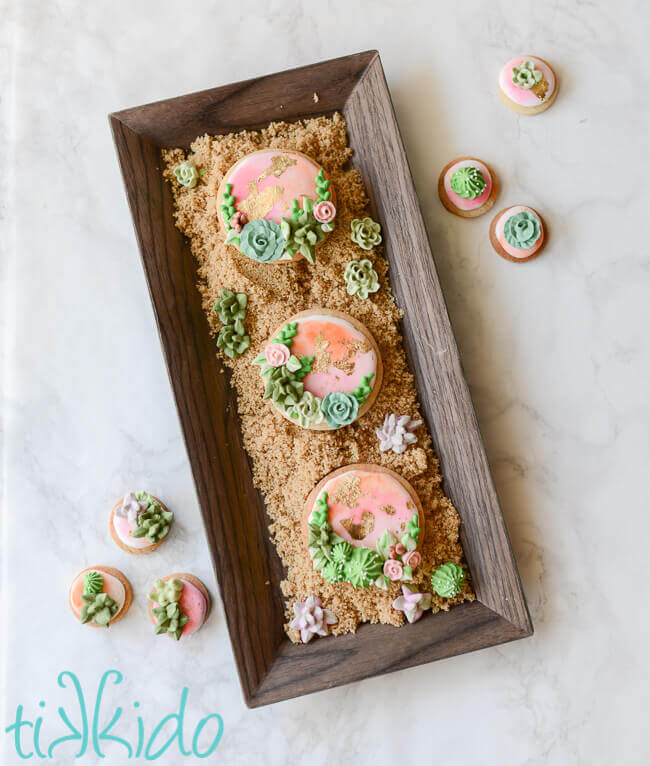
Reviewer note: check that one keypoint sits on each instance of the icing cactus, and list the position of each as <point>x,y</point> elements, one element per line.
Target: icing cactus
<point>363,567</point>
<point>186,174</point>
<point>448,580</point>
<point>322,186</point>
<point>228,205</point>
<point>365,232</point>
<point>360,278</point>
<point>468,182</point>
<point>287,333</point>
<point>93,583</point>
<point>362,391</point>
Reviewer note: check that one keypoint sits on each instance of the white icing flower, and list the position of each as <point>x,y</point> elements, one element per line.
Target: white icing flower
<point>396,433</point>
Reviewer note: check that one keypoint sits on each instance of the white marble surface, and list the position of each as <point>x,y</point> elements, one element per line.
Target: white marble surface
<point>556,352</point>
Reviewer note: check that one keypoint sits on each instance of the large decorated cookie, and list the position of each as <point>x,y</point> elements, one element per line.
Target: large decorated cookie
<point>467,187</point>
<point>518,234</point>
<point>179,605</point>
<point>528,85</point>
<point>364,525</point>
<point>139,522</point>
<point>276,206</point>
<point>321,369</point>
<point>100,596</point>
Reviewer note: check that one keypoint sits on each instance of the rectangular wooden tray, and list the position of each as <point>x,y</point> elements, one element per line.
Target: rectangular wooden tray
<point>246,564</point>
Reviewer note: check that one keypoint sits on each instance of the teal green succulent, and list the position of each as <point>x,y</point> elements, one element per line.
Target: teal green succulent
<point>302,232</point>
<point>231,306</point>
<point>448,580</point>
<point>525,75</point>
<point>522,230</point>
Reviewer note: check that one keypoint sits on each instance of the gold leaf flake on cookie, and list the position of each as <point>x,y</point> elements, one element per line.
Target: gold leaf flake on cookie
<point>390,510</point>
<point>540,88</point>
<point>348,492</point>
<point>279,163</point>
<point>359,531</point>
<point>258,204</point>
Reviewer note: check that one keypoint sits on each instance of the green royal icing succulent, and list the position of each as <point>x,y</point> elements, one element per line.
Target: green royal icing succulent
<point>322,186</point>
<point>283,387</point>
<point>448,580</point>
<point>412,533</point>
<point>308,411</point>
<point>360,278</point>
<point>525,75</point>
<point>302,231</point>
<point>468,182</point>
<point>340,409</point>
<point>153,523</point>
<point>319,515</point>
<point>231,306</point>
<point>522,230</point>
<point>363,567</point>
<point>362,391</point>
<point>228,204</point>
<point>232,339</point>
<point>261,240</point>
<point>93,583</point>
<point>186,174</point>
<point>99,608</point>
<point>365,232</point>
<point>170,618</point>
<point>287,333</point>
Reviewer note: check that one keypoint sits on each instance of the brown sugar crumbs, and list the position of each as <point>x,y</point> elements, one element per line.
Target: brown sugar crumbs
<point>289,461</point>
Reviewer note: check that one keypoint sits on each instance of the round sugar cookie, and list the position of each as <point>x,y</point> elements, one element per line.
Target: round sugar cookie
<point>524,218</point>
<point>375,511</point>
<point>287,190</point>
<point>190,604</point>
<point>528,85</point>
<point>114,583</point>
<point>346,365</point>
<point>464,206</point>
<point>120,529</point>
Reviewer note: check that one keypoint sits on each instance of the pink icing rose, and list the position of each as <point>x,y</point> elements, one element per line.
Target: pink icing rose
<point>277,354</point>
<point>393,569</point>
<point>324,211</point>
<point>400,549</point>
<point>412,559</point>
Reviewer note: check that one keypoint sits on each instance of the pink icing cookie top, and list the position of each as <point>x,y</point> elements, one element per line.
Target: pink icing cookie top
<point>540,92</point>
<point>265,183</point>
<point>460,202</point>
<point>112,586</point>
<point>193,604</point>
<point>363,504</point>
<point>343,354</point>
<point>500,236</point>
<point>123,528</point>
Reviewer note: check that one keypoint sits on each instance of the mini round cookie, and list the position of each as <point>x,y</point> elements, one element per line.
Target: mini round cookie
<point>468,187</point>
<point>364,524</point>
<point>191,610</point>
<point>100,596</point>
<point>518,233</point>
<point>276,206</point>
<point>139,522</point>
<point>322,369</point>
<point>528,85</point>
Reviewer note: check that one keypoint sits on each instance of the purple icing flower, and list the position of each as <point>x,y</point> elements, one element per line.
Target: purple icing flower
<point>311,619</point>
<point>412,604</point>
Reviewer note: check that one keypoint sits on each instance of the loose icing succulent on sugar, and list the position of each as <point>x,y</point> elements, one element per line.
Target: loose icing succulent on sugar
<point>360,278</point>
<point>365,232</point>
<point>412,603</point>
<point>522,230</point>
<point>170,618</point>
<point>231,308</point>
<point>448,580</point>
<point>311,619</point>
<point>468,182</point>
<point>186,174</point>
<point>396,434</point>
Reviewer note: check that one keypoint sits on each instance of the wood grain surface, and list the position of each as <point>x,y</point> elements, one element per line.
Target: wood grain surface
<point>246,564</point>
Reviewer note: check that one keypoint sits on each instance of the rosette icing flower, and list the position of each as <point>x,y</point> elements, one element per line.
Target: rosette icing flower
<point>308,411</point>
<point>412,559</point>
<point>522,230</point>
<point>363,567</point>
<point>277,354</point>
<point>468,182</point>
<point>525,75</point>
<point>412,604</point>
<point>311,619</point>
<point>339,409</point>
<point>393,569</point>
<point>324,211</point>
<point>448,580</point>
<point>186,174</point>
<point>365,232</point>
<point>262,240</point>
<point>360,278</point>
<point>396,433</point>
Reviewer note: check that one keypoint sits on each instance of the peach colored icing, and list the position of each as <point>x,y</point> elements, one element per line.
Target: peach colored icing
<point>343,354</point>
<point>123,528</point>
<point>498,233</point>
<point>193,604</point>
<point>525,96</point>
<point>379,494</point>
<point>460,202</point>
<point>265,183</point>
<point>112,586</point>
